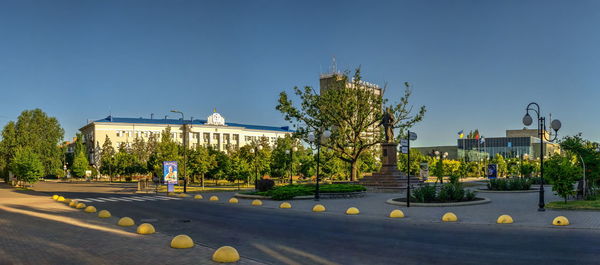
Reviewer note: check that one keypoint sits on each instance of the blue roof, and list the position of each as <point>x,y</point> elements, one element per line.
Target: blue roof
<point>194,122</point>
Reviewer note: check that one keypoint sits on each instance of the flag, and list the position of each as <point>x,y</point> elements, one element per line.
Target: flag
<point>461,134</point>
<point>477,135</point>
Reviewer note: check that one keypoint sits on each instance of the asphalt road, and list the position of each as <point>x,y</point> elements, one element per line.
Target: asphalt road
<point>285,236</point>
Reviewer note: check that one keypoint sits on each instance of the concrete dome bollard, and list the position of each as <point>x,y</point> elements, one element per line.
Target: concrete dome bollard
<point>90,209</point>
<point>257,203</point>
<point>61,199</point>
<point>66,201</point>
<point>226,254</point>
<point>285,205</point>
<point>182,195</point>
<point>560,221</point>
<point>125,221</point>
<point>318,208</point>
<point>198,197</point>
<point>504,219</point>
<point>80,205</point>
<point>396,214</point>
<point>104,214</point>
<point>145,229</point>
<point>352,211</point>
<point>214,198</point>
<point>182,241</point>
<point>449,217</point>
<point>73,204</point>
<point>55,197</point>
<point>233,200</point>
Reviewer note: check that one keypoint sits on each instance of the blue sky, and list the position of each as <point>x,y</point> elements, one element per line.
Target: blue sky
<point>474,64</point>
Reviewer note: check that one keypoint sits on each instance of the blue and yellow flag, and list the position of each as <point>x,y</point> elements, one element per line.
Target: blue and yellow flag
<point>461,134</point>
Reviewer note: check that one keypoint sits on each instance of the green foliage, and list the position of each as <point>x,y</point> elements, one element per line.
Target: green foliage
<point>502,166</point>
<point>200,161</point>
<point>562,171</point>
<point>350,111</point>
<point>415,161</point>
<point>425,193</point>
<point>290,191</point>
<point>27,165</point>
<point>449,192</point>
<point>36,131</point>
<point>166,150</point>
<point>80,164</point>
<point>509,184</point>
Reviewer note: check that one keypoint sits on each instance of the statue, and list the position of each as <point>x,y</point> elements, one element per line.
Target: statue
<point>388,122</point>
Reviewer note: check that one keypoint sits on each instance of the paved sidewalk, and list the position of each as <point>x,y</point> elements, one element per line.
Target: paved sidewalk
<point>521,206</point>
<point>35,229</point>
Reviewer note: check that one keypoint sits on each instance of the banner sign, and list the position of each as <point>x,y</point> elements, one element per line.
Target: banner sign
<point>170,172</point>
<point>492,171</point>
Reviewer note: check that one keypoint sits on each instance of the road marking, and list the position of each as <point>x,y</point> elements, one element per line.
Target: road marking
<point>128,199</point>
<point>82,200</point>
<point>96,199</point>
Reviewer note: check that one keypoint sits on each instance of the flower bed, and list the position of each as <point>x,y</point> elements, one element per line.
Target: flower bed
<point>509,184</point>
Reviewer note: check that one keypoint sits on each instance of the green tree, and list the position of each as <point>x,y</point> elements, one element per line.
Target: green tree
<point>26,165</point>
<point>221,169</point>
<point>80,164</point>
<point>586,150</point>
<point>352,112</point>
<point>200,162</point>
<point>166,150</point>
<point>107,158</point>
<point>562,171</point>
<point>438,170</point>
<point>42,134</point>
<point>502,166</point>
<point>8,146</point>
<point>416,158</point>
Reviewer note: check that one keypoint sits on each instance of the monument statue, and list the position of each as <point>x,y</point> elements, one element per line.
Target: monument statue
<point>388,121</point>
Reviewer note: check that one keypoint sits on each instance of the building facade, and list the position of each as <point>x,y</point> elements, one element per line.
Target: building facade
<point>213,132</point>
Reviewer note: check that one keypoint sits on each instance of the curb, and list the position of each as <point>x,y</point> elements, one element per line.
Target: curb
<point>417,204</point>
<point>305,197</point>
<point>507,191</point>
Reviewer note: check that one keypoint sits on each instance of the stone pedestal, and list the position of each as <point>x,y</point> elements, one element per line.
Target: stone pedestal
<point>389,178</point>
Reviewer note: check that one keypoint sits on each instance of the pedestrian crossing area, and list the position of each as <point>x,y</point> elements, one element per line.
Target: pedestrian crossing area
<point>127,199</point>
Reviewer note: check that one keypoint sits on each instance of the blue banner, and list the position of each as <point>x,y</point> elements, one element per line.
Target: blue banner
<point>170,172</point>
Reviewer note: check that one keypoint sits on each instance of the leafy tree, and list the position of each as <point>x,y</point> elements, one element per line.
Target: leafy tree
<point>416,158</point>
<point>26,165</point>
<point>35,130</point>
<point>502,167</point>
<point>200,161</point>
<point>281,159</point>
<point>239,168</point>
<point>585,149</point>
<point>527,168</point>
<point>8,146</point>
<point>352,112</point>
<point>80,164</point>
<point>166,150</point>
<point>562,171</point>
<point>107,158</point>
<point>221,169</point>
<point>438,170</point>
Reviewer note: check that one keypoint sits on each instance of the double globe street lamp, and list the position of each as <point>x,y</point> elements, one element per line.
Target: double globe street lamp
<point>291,153</point>
<point>318,138</point>
<point>255,150</point>
<point>555,125</point>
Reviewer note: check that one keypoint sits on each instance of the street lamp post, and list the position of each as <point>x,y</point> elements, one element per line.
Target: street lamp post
<point>541,123</point>
<point>318,140</point>
<point>291,153</point>
<point>255,151</point>
<point>184,149</point>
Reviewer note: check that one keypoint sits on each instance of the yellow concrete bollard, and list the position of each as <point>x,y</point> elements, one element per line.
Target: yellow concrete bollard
<point>104,214</point>
<point>198,197</point>
<point>125,221</point>
<point>233,200</point>
<point>560,221</point>
<point>55,197</point>
<point>285,205</point>
<point>80,205</point>
<point>449,217</point>
<point>61,199</point>
<point>318,208</point>
<point>214,198</point>
<point>182,195</point>
<point>182,241</point>
<point>73,204</point>
<point>66,201</point>
<point>504,219</point>
<point>226,254</point>
<point>352,211</point>
<point>396,214</point>
<point>90,209</point>
<point>256,203</point>
<point>145,229</point>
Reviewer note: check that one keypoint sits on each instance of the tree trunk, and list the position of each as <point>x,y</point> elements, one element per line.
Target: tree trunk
<point>354,170</point>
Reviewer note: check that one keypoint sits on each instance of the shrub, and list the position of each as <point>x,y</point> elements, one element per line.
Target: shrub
<point>425,193</point>
<point>451,192</point>
<point>470,195</point>
<point>265,184</point>
<point>290,191</point>
<point>509,184</point>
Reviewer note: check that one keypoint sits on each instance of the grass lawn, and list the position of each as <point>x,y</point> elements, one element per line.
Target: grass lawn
<point>575,205</point>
